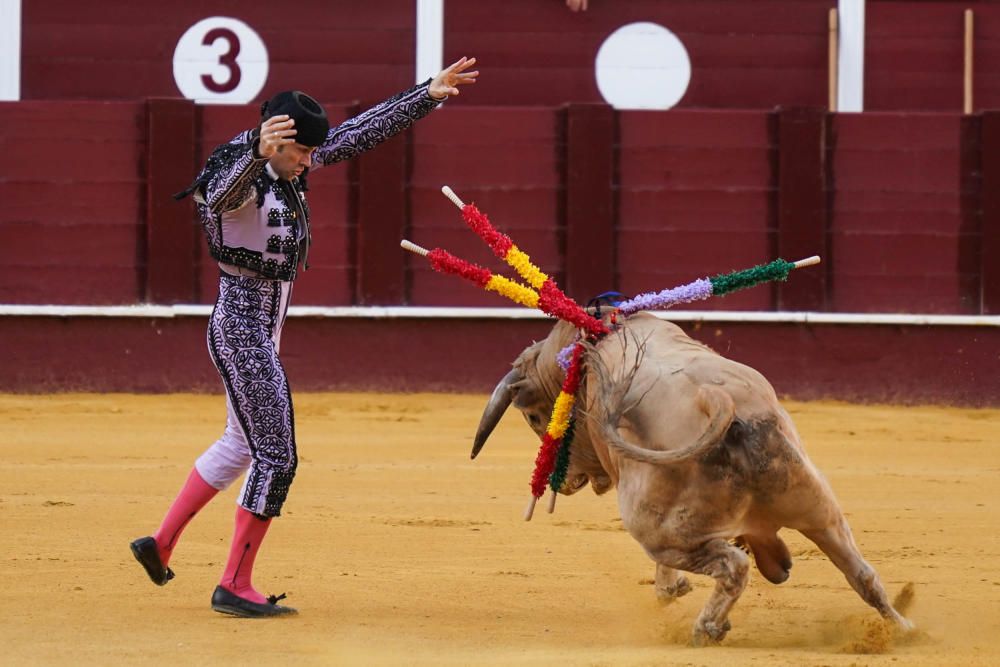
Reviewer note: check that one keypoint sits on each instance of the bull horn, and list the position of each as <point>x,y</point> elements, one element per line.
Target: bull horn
<point>497,405</point>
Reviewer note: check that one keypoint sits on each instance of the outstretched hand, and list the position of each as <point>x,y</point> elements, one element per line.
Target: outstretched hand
<point>446,83</point>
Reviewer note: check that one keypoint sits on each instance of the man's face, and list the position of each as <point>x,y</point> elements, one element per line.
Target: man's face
<point>291,160</point>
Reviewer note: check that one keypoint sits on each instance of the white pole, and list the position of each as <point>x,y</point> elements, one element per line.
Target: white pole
<point>430,38</point>
<point>851,60</point>
<point>10,50</point>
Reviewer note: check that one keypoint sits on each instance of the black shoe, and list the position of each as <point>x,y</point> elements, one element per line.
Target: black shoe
<point>226,602</point>
<point>144,550</point>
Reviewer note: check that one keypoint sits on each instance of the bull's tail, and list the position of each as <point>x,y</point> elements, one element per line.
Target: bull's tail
<point>715,403</point>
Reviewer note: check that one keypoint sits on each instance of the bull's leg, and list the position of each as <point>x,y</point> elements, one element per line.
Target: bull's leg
<point>670,584</point>
<point>838,544</point>
<point>730,568</point>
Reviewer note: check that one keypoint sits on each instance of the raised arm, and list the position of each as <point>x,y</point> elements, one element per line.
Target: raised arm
<point>384,120</point>
<point>228,177</point>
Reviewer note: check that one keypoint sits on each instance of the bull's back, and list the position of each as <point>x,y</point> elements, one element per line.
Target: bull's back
<point>682,362</point>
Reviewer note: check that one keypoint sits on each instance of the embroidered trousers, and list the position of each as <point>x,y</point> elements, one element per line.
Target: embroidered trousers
<point>244,334</point>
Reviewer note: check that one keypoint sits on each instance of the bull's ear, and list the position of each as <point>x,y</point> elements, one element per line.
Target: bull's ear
<point>497,405</point>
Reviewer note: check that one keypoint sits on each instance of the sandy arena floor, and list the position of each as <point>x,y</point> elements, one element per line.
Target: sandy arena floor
<point>398,549</point>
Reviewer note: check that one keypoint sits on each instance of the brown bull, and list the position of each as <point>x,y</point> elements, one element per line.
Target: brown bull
<point>704,458</point>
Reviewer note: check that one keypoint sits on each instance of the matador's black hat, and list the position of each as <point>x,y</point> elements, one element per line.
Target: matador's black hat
<point>310,118</point>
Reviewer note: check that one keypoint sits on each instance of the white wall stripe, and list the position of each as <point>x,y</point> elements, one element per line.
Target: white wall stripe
<point>430,312</point>
<point>430,38</point>
<point>851,58</point>
<point>10,50</point>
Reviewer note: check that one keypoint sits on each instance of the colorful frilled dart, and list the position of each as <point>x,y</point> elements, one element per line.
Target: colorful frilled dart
<point>716,286</point>
<point>553,442</point>
<point>553,447</point>
<point>560,466</point>
<point>701,289</point>
<point>444,262</point>
<point>551,300</point>
<point>558,476</point>
<point>545,462</point>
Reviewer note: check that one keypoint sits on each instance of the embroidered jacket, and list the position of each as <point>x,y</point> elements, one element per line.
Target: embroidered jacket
<point>255,221</point>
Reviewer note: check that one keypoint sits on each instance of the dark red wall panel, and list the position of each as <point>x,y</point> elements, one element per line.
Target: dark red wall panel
<point>897,225</point>
<point>72,183</point>
<point>990,212</point>
<point>591,239</point>
<point>171,243</point>
<point>382,219</point>
<point>506,161</point>
<point>802,206</point>
<point>914,55</point>
<point>695,199</point>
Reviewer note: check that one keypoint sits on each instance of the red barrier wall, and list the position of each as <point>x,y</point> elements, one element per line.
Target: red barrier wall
<point>902,206</point>
<point>899,205</point>
<point>897,232</point>
<point>696,197</point>
<point>504,160</point>
<point>862,363</point>
<point>73,186</point>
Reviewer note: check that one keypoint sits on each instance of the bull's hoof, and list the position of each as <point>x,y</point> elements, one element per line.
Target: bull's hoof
<point>668,594</point>
<point>709,633</point>
<point>904,625</point>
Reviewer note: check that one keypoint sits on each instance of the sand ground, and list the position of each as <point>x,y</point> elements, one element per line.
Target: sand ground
<point>399,550</point>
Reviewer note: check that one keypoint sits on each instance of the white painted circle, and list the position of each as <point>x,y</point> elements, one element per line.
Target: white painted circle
<point>220,60</point>
<point>642,66</point>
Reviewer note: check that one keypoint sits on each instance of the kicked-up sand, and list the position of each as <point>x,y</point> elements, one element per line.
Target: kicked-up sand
<point>399,550</point>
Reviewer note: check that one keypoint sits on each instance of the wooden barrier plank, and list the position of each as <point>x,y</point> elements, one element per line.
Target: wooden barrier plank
<point>171,250</point>
<point>990,221</point>
<point>802,206</point>
<point>105,204</point>
<point>69,284</point>
<point>382,222</point>
<point>968,264</point>
<point>708,209</point>
<point>591,253</point>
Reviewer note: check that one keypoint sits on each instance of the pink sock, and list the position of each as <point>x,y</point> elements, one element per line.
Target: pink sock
<point>250,532</point>
<point>193,496</point>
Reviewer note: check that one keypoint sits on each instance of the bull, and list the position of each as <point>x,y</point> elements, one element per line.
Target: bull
<point>707,464</point>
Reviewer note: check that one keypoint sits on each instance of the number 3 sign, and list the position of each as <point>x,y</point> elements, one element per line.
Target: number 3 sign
<point>220,60</point>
